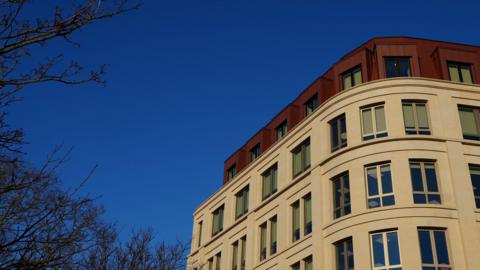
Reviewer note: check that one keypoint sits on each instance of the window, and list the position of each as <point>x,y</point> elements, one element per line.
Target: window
<point>307,264</point>
<point>296,221</point>
<point>385,251</point>
<point>269,183</point>
<point>424,182</point>
<point>231,172</point>
<point>373,122</point>
<point>239,246</point>
<point>217,220</point>
<point>307,211</point>
<point>214,263</point>
<point>415,117</point>
<point>397,67</point>
<point>311,105</point>
<point>470,121</point>
<point>338,128</point>
<point>281,130</point>
<point>241,202</point>
<point>296,266</point>
<point>352,77</point>
<point>475,177</point>
<point>271,239</point>
<point>434,249</point>
<point>301,157</point>
<point>341,195</point>
<point>255,152</point>
<point>200,228</point>
<point>460,72</point>
<point>379,186</point>
<point>344,255</point>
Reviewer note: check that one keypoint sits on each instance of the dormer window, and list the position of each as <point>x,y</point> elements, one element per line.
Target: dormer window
<point>352,77</point>
<point>255,152</point>
<point>397,67</point>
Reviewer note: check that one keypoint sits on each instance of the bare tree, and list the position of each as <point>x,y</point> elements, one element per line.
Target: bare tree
<point>41,225</point>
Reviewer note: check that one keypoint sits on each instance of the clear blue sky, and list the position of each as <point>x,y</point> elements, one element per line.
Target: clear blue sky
<point>190,81</point>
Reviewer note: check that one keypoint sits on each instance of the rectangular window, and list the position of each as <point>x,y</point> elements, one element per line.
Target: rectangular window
<point>460,72</point>
<point>338,131</point>
<point>273,235</point>
<point>239,248</point>
<point>263,241</point>
<point>301,157</point>
<point>217,220</point>
<point>341,195</point>
<point>308,262</point>
<point>379,186</point>
<point>296,221</point>
<point>269,182</point>
<point>397,67</point>
<point>311,105</point>
<point>307,209</point>
<point>352,77</point>
<point>475,177</point>
<point>281,130</point>
<point>434,249</point>
<point>373,122</point>
<point>344,255</point>
<point>218,261</point>
<point>243,253</point>
<point>200,228</point>
<point>241,202</point>
<point>231,172</point>
<point>470,121</point>
<point>424,182</point>
<point>415,117</point>
<point>210,264</point>
<point>235,256</point>
<point>296,266</point>
<point>255,152</point>
<point>385,251</point>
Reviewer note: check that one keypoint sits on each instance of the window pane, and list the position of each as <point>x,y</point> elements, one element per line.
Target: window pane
<point>453,71</point>
<point>263,241</point>
<point>391,68</point>
<point>422,115</point>
<point>467,120</point>
<point>296,266</point>
<point>416,177</point>
<point>367,121</point>
<point>340,254</point>
<point>466,74</point>
<point>334,134</point>
<point>374,202</point>
<point>343,130</point>
<point>273,225</point>
<point>441,247</point>
<point>431,177</point>
<point>357,76</point>
<point>408,116</point>
<point>347,81</point>
<point>308,210</point>
<point>380,119</point>
<point>274,179</point>
<point>404,67</point>
<point>351,264</point>
<point>372,181</point>
<point>393,251</point>
<point>307,155</point>
<point>386,179</point>
<point>337,192</point>
<point>309,264</point>
<point>235,255</point>
<point>475,177</point>
<point>425,247</point>
<point>388,200</point>
<point>296,221</point>
<point>297,162</point>
<point>378,252</point>
<point>266,185</point>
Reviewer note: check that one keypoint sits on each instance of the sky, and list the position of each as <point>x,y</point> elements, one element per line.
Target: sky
<point>189,82</point>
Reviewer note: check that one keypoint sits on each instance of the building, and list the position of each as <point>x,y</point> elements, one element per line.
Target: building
<point>376,165</point>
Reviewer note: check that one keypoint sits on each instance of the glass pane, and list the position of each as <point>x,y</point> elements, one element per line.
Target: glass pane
<point>340,254</point>
<point>422,115</point>
<point>390,68</point>
<point>393,251</point>
<point>408,116</point>
<point>466,74</point>
<point>309,264</point>
<point>373,202</point>
<point>386,179</point>
<point>367,121</point>
<point>467,120</point>
<point>308,210</point>
<point>378,252</point>
<point>307,155</point>
<point>343,130</point>
<point>416,177</point>
<point>425,246</point>
<point>235,255</point>
<point>434,199</point>
<point>273,224</point>
<point>337,193</point>
<point>351,264</point>
<point>266,185</point>
<point>296,216</point>
<point>475,177</point>
<point>274,179</point>
<point>380,119</point>
<point>453,71</point>
<point>431,177</point>
<point>347,81</point>
<point>357,77</point>
<point>388,200</point>
<point>297,162</point>
<point>334,134</point>
<point>263,237</point>
<point>404,67</point>
<point>239,206</point>
<point>372,181</point>
<point>419,198</point>
<point>296,266</point>
<point>441,247</point>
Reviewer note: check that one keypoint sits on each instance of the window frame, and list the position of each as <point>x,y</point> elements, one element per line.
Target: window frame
<point>338,132</point>
<point>397,61</point>
<point>431,232</point>
<point>343,205</point>
<point>351,72</point>
<point>303,157</point>
<point>242,197</point>
<point>375,133</point>
<point>424,180</point>
<point>476,115</point>
<point>458,66</point>
<point>381,195</point>
<point>416,130</point>
<point>386,250</point>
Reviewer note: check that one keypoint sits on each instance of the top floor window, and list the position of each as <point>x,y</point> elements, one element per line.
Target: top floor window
<point>352,77</point>
<point>460,72</point>
<point>255,152</point>
<point>397,67</point>
<point>311,105</point>
<point>231,172</point>
<point>281,130</point>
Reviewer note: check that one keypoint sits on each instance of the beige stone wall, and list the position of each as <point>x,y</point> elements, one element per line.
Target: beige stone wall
<point>457,213</point>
